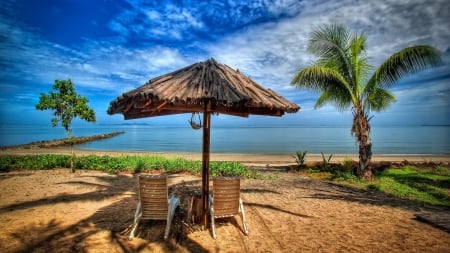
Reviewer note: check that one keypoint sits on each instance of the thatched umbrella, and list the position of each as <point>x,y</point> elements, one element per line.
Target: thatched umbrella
<point>204,87</point>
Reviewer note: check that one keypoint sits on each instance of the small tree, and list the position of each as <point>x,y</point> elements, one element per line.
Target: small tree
<point>67,105</point>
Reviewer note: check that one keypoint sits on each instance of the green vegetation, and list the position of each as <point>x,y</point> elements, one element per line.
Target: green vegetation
<point>426,183</point>
<point>429,183</point>
<point>300,158</point>
<point>326,161</point>
<point>130,164</point>
<point>343,77</point>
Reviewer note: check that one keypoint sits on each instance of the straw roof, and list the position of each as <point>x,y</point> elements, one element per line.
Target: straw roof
<point>186,90</point>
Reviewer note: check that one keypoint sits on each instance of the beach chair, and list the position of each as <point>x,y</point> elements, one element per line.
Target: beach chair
<point>154,203</point>
<point>225,201</point>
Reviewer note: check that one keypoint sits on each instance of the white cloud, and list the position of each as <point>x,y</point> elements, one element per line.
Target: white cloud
<point>268,48</point>
<point>273,52</point>
<point>96,65</point>
<point>165,22</point>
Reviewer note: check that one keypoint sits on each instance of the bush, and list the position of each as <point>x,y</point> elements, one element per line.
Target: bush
<point>300,159</point>
<point>326,165</point>
<point>231,169</point>
<point>348,165</point>
<point>33,162</point>
<point>133,164</point>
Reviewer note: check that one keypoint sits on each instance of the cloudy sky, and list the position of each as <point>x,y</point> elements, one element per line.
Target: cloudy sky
<point>108,47</point>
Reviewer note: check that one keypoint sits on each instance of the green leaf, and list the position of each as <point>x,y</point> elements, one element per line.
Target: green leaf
<point>403,63</point>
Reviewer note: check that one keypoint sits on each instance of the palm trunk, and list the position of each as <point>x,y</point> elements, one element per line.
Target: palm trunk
<point>361,129</point>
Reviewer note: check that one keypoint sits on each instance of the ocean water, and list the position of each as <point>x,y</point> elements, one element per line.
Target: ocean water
<point>252,140</point>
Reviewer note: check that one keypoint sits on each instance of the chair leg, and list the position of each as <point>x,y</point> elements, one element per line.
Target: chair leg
<point>173,203</point>
<point>211,213</point>
<point>241,207</point>
<point>137,218</point>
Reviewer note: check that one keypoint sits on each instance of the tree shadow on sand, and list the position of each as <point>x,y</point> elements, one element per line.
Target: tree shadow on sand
<point>109,187</point>
<point>332,191</point>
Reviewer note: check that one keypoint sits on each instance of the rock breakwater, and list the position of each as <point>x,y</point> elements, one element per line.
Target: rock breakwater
<point>62,142</point>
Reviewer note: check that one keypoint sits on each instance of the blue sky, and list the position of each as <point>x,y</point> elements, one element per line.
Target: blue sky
<point>109,47</point>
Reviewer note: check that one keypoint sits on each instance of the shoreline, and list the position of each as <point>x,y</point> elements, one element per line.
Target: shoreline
<point>247,159</point>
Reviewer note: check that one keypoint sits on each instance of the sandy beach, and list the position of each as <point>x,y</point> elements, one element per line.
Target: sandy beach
<point>92,211</point>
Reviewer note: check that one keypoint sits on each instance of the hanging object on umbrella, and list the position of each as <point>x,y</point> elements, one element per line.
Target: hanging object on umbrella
<point>194,125</point>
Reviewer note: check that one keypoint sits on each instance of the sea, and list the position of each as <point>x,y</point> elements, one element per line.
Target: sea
<point>387,140</point>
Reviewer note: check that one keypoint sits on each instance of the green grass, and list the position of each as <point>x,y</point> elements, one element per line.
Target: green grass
<point>131,164</point>
<point>426,184</point>
<point>429,185</point>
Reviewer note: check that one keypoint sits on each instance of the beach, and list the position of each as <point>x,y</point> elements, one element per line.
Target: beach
<point>92,211</point>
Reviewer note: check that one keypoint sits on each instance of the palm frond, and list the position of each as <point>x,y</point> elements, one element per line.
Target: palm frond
<point>379,99</point>
<point>318,79</point>
<point>331,44</point>
<point>403,63</point>
<point>322,100</point>
<point>328,41</point>
<point>359,61</point>
<point>357,45</point>
<point>337,96</point>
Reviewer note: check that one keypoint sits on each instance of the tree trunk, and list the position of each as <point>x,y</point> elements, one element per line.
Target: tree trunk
<point>361,129</point>
<point>72,170</point>
<point>72,141</point>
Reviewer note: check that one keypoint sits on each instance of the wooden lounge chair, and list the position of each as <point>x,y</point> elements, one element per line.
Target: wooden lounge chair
<point>225,201</point>
<point>154,203</point>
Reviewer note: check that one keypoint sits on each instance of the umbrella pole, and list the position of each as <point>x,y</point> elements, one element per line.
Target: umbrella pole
<point>205,162</point>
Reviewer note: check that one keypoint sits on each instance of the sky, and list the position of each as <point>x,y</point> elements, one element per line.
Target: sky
<point>108,47</point>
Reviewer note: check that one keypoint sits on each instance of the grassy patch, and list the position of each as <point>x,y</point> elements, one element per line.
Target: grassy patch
<point>423,183</point>
<point>131,164</point>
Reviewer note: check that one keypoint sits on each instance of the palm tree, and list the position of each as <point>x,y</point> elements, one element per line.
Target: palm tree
<point>343,77</point>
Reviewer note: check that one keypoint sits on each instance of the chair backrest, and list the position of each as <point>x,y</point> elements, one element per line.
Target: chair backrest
<point>226,193</point>
<point>153,195</point>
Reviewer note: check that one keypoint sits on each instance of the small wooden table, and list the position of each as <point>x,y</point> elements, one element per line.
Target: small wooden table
<point>194,213</point>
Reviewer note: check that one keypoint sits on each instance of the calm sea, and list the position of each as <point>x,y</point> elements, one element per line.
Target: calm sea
<point>253,140</point>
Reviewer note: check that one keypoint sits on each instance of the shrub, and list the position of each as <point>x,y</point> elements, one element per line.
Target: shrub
<point>300,158</point>
<point>348,165</point>
<point>326,166</point>
<point>231,169</point>
<point>134,164</point>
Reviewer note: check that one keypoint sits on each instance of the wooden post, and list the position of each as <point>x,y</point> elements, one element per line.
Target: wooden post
<point>205,162</point>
